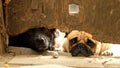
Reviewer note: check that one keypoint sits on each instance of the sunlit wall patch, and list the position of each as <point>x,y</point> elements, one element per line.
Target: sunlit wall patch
<point>73,9</point>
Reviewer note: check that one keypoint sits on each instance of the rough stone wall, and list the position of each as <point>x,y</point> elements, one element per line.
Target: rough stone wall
<point>98,17</point>
<point>3,32</point>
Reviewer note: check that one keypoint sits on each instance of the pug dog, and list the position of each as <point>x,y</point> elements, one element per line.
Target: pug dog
<point>79,43</point>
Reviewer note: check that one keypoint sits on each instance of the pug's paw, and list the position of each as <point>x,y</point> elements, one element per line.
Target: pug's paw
<point>107,53</point>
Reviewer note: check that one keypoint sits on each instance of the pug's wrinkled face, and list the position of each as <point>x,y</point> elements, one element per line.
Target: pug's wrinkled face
<point>84,49</point>
<point>81,49</point>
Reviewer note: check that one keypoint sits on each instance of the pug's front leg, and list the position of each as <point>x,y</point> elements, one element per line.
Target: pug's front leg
<point>107,53</point>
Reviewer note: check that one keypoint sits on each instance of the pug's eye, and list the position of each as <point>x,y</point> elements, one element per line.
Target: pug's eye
<point>73,41</point>
<point>90,43</point>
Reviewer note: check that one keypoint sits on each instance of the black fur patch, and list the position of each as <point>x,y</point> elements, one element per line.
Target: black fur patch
<point>66,34</point>
<point>38,39</point>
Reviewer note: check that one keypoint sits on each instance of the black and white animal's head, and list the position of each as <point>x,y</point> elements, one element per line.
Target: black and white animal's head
<point>48,38</point>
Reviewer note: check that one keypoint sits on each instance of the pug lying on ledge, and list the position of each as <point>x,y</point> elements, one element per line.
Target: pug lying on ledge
<point>81,42</point>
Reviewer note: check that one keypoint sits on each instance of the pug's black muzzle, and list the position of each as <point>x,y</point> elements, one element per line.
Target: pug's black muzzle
<point>81,49</point>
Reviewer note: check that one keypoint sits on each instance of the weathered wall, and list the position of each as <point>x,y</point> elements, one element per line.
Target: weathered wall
<point>98,17</point>
<point>3,34</point>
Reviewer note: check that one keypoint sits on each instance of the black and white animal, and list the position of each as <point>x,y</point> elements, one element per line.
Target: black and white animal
<point>38,39</point>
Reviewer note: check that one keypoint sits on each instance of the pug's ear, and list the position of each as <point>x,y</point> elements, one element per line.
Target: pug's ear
<point>88,35</point>
<point>90,43</point>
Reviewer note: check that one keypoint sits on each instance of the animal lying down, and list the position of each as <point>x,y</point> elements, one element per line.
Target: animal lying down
<point>82,43</point>
<point>38,39</point>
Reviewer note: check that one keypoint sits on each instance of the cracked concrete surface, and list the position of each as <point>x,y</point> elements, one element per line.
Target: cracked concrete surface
<point>18,57</point>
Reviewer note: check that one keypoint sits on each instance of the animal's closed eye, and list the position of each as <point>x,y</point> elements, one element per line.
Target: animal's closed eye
<point>73,41</point>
